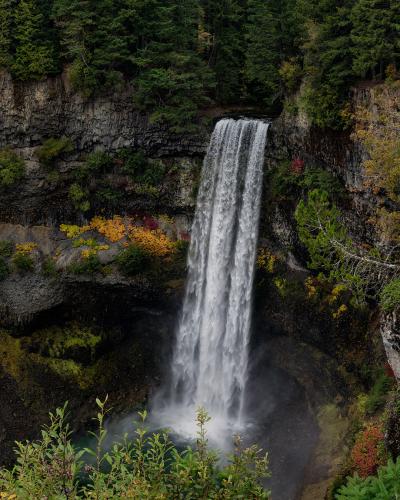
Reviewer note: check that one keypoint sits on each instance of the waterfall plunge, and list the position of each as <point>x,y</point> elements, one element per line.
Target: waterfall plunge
<point>209,365</point>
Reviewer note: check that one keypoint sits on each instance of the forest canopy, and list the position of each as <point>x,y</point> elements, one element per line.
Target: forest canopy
<point>182,55</point>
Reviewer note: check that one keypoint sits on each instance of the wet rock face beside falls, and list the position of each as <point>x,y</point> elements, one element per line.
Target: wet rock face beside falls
<point>30,112</point>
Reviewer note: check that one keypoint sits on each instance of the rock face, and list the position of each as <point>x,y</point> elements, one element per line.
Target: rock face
<point>390,330</point>
<point>31,112</point>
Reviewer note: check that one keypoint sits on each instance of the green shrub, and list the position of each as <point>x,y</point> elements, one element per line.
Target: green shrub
<point>377,396</point>
<point>6,248</point>
<point>384,486</point>
<point>23,262</point>
<point>96,164</point>
<point>390,295</point>
<point>288,185</point>
<point>52,149</point>
<point>148,467</point>
<point>4,271</point>
<point>140,169</point>
<point>49,268</point>
<point>133,260</point>
<point>78,196</point>
<point>89,265</point>
<point>12,168</point>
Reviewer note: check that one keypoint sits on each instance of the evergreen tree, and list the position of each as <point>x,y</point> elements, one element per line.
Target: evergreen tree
<point>34,56</point>
<point>328,65</point>
<point>95,39</point>
<point>263,54</point>
<point>172,80</point>
<point>371,36</point>
<point>223,20</point>
<point>6,19</point>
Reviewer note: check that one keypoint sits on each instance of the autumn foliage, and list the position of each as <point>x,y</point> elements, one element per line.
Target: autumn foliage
<point>366,453</point>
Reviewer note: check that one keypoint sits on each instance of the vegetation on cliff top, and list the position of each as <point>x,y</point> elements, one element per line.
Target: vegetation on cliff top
<point>180,55</point>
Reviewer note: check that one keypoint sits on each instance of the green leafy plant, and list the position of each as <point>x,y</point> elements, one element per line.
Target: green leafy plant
<point>88,265</point>
<point>378,394</point>
<point>4,270</point>
<point>390,295</point>
<point>6,248</point>
<point>23,262</point>
<point>49,268</point>
<point>52,149</point>
<point>133,260</point>
<point>79,197</point>
<point>12,168</point>
<point>384,486</point>
<point>148,466</point>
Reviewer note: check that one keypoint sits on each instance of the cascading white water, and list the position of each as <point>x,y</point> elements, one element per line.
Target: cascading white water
<point>210,358</point>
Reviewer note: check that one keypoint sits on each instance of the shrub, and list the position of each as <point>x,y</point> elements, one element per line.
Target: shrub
<point>12,168</point>
<point>49,268</point>
<point>6,248</point>
<point>52,149</point>
<point>23,262</point>
<point>148,467</point>
<point>97,163</point>
<point>133,260</point>
<point>154,243</point>
<point>89,265</point>
<point>390,295</point>
<point>377,396</point>
<point>141,169</point>
<point>384,486</point>
<point>78,196</point>
<point>4,271</point>
<point>367,453</point>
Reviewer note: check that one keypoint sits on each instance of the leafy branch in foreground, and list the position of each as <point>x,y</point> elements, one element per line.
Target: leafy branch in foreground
<point>147,466</point>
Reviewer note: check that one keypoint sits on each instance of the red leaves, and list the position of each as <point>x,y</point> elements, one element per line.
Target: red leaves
<point>366,453</point>
<point>297,166</point>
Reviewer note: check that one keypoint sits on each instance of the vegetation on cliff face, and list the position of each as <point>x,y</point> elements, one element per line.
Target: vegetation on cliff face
<point>148,467</point>
<point>183,54</point>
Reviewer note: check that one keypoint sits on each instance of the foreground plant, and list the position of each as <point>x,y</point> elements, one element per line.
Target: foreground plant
<point>148,466</point>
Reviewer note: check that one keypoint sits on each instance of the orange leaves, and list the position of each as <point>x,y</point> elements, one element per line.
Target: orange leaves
<point>113,229</point>
<point>148,237</point>
<point>155,242</point>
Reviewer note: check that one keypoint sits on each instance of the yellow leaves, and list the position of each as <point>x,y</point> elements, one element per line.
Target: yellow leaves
<point>335,293</point>
<point>73,231</point>
<point>88,252</point>
<point>377,129</point>
<point>8,496</point>
<point>266,260</point>
<point>310,286</point>
<point>113,229</point>
<point>25,248</point>
<point>155,242</point>
<point>340,312</point>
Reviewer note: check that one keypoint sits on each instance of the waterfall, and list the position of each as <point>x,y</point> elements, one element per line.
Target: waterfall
<point>210,358</point>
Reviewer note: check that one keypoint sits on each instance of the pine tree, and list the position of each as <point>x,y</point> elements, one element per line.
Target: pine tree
<point>6,20</point>
<point>172,80</point>
<point>263,54</point>
<point>223,20</point>
<point>95,40</point>
<point>328,65</point>
<point>373,45</point>
<point>34,55</point>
